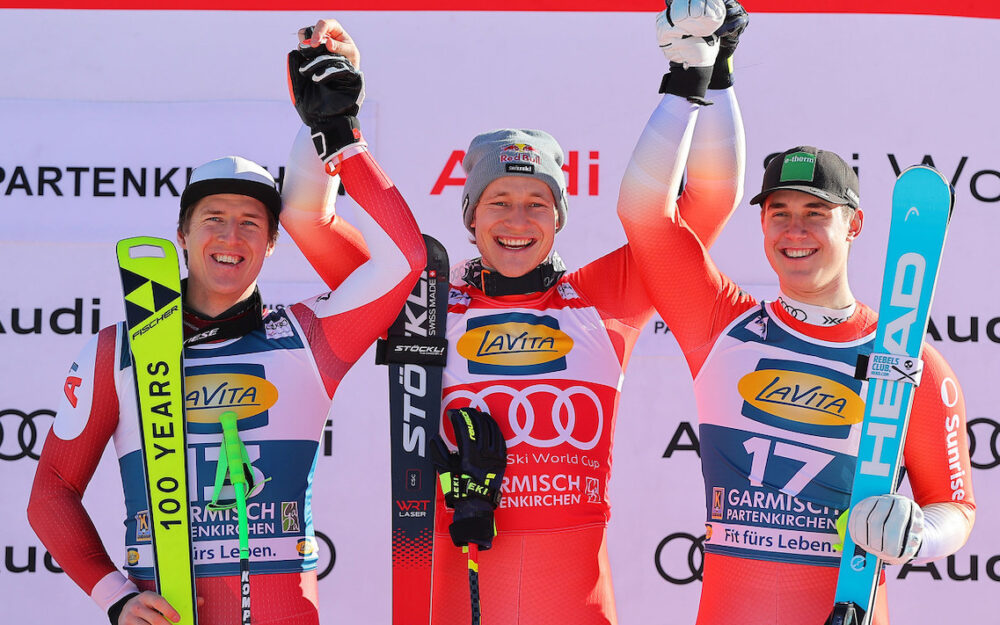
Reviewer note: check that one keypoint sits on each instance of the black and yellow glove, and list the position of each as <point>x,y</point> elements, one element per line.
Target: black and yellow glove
<point>472,477</point>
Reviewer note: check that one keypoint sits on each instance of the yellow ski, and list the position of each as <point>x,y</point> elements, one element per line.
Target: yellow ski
<point>151,284</point>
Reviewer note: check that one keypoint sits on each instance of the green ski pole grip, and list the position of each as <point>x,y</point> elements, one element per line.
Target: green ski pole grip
<point>231,439</point>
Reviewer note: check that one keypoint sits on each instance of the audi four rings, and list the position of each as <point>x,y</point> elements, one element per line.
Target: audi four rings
<point>521,406</point>
<point>19,435</point>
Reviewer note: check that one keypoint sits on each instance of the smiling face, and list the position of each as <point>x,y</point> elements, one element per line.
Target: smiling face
<point>227,239</point>
<point>515,222</point>
<point>807,241</point>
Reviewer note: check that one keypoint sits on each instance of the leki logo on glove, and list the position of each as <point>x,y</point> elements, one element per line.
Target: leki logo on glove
<point>540,415</point>
<point>802,397</point>
<point>514,344</point>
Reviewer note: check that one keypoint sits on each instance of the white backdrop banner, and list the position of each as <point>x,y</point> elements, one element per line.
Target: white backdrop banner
<point>104,113</point>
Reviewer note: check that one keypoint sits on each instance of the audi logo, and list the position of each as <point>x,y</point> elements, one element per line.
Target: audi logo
<point>983,434</point>
<point>680,558</point>
<point>20,435</point>
<point>521,412</point>
<point>323,569</point>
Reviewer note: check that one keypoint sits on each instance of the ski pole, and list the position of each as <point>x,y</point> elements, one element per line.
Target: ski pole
<point>234,447</point>
<point>472,549</point>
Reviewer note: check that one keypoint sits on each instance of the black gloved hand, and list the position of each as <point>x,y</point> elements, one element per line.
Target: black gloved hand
<point>729,37</point>
<point>327,92</point>
<point>471,479</point>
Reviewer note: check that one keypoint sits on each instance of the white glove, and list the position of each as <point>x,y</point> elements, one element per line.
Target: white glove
<point>888,526</point>
<point>685,31</point>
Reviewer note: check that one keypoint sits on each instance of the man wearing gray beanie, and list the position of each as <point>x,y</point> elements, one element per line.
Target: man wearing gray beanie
<point>542,351</point>
<point>518,257</point>
<point>510,152</point>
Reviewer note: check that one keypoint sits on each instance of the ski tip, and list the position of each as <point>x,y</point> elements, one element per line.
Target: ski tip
<point>437,257</point>
<point>145,247</point>
<point>922,170</point>
<point>926,181</point>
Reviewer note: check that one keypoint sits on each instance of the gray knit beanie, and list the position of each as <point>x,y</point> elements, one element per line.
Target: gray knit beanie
<point>512,152</point>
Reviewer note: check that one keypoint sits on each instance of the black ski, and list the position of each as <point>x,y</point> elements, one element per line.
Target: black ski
<point>416,350</point>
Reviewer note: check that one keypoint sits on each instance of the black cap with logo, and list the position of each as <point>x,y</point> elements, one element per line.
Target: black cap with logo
<point>810,170</point>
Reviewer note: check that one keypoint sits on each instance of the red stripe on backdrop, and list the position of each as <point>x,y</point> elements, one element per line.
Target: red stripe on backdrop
<point>963,8</point>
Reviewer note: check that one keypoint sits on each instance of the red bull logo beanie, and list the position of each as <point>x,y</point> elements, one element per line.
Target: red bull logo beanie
<point>513,152</point>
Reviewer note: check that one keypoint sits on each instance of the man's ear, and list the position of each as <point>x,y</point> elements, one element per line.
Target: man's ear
<point>857,223</point>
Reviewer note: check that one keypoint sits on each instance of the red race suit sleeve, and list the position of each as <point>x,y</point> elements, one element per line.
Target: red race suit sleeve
<point>614,282</point>
<point>936,455</point>
<point>370,265</point>
<point>87,417</point>
<point>665,231</point>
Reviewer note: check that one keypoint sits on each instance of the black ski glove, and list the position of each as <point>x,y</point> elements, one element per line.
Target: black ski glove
<point>471,478</point>
<point>729,37</point>
<point>327,92</point>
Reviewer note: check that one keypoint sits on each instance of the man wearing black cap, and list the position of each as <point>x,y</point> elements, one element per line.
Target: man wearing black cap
<point>277,369</point>
<point>779,408</point>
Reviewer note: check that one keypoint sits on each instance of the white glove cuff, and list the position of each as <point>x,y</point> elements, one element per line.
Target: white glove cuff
<point>111,589</point>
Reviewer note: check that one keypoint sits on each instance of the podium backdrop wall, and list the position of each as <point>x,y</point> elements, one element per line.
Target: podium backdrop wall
<point>104,109</point>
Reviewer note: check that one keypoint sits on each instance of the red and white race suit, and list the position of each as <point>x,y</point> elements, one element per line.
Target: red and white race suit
<point>292,366</point>
<point>549,367</point>
<point>779,408</point>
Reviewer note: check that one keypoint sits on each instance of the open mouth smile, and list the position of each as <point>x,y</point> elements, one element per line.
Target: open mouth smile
<point>797,252</point>
<point>514,243</point>
<point>227,259</point>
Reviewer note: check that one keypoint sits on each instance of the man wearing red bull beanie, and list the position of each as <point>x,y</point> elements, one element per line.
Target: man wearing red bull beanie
<point>543,350</point>
<point>553,385</point>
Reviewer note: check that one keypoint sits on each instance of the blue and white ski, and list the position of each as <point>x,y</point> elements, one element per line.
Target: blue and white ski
<point>922,202</point>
